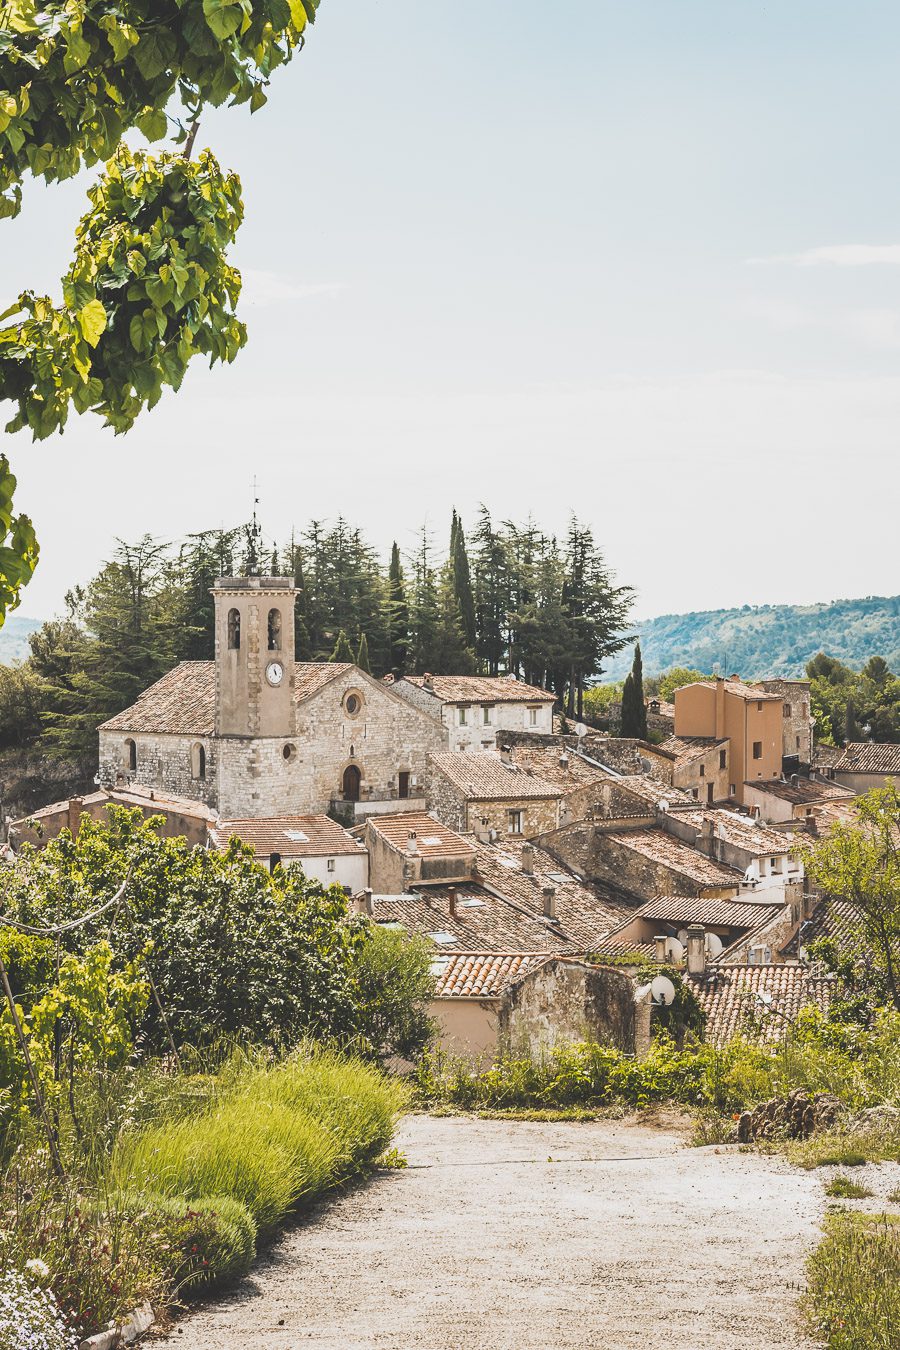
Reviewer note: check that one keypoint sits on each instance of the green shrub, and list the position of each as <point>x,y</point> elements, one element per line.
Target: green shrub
<point>854,1289</point>
<point>837,1149</point>
<point>842,1188</point>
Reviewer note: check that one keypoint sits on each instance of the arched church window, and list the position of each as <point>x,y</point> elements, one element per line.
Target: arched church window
<point>274,630</point>
<point>234,629</point>
<point>198,762</point>
<point>131,755</point>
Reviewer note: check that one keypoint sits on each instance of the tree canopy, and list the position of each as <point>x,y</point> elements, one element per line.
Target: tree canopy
<point>149,286</point>
<point>851,705</point>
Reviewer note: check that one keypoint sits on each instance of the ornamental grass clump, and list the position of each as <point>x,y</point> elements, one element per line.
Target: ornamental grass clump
<point>275,1138</point>
<point>854,1283</point>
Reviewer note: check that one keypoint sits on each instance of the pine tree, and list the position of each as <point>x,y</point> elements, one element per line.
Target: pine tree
<point>342,649</point>
<point>362,656</point>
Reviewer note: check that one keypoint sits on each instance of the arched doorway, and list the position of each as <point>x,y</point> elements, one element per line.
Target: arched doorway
<point>351,782</point>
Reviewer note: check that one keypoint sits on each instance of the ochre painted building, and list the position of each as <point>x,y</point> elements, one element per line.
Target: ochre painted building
<point>749,717</point>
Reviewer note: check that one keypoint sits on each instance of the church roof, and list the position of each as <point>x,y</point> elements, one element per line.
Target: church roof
<point>481,689</point>
<point>289,836</point>
<point>183,702</point>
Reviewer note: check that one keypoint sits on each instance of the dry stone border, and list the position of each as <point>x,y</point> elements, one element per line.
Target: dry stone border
<point>796,1116</point>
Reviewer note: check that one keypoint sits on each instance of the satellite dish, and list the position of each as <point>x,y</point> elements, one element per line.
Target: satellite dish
<point>764,997</point>
<point>663,990</point>
<point>675,950</point>
<point>714,945</point>
<point>580,730</point>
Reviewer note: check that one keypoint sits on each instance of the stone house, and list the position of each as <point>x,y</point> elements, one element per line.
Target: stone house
<point>867,765</point>
<point>318,845</point>
<point>638,860</point>
<point>489,794</point>
<point>670,916</point>
<point>182,818</point>
<point>747,715</point>
<point>526,1004</point>
<point>474,708</point>
<point>415,849</point>
<point>764,857</point>
<point>796,721</point>
<point>699,765</point>
<point>255,734</point>
<point>792,802</point>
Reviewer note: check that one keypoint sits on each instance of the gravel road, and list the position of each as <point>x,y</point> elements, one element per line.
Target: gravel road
<point>530,1236</point>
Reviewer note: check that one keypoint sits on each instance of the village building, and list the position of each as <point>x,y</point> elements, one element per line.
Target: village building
<point>866,765</point>
<point>490,795</point>
<point>749,717</point>
<point>725,921</point>
<point>254,733</point>
<point>415,849</point>
<point>473,708</point>
<point>766,858</point>
<point>526,1003</point>
<point>792,802</point>
<point>316,844</point>
<point>637,859</point>
<point>796,722</point>
<point>469,917</point>
<point>699,765</point>
<point>181,817</point>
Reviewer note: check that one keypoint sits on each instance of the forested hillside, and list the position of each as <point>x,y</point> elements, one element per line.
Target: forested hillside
<point>14,637</point>
<point>757,641</point>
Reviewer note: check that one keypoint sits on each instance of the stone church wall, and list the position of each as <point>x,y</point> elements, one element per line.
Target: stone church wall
<point>163,762</point>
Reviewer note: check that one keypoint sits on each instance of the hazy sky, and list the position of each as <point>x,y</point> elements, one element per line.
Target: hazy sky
<point>640,260</point>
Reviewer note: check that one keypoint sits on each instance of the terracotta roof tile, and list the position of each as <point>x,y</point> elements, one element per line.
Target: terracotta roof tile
<point>729,999</point>
<point>483,921</point>
<point>753,693</point>
<point>686,909</point>
<point>743,832</point>
<point>485,777</point>
<point>869,757</point>
<point>290,836</point>
<point>433,838</point>
<point>482,974</point>
<point>685,749</point>
<point>544,762</point>
<point>482,689</point>
<point>803,791</point>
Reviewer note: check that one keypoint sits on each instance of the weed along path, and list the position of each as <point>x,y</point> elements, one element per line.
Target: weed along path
<point>531,1236</point>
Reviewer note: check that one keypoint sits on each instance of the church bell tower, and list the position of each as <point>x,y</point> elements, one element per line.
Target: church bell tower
<point>254,656</point>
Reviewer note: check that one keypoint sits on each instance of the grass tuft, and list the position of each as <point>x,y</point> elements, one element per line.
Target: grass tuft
<point>854,1290</point>
<point>842,1188</point>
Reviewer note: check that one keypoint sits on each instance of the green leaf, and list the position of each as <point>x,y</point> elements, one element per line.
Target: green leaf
<point>153,123</point>
<point>298,14</point>
<point>92,322</point>
<point>154,53</point>
<point>223,18</point>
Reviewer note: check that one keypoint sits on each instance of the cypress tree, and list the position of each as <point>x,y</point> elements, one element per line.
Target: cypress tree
<point>398,614</point>
<point>462,582</point>
<point>342,649</point>
<point>634,711</point>
<point>362,656</point>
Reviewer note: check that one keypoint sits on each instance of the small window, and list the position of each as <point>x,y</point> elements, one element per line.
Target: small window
<point>803,710</point>
<point>274,861</point>
<point>403,784</point>
<point>288,752</point>
<point>731,792</point>
<point>787,710</point>
<point>757,749</point>
<point>532,717</point>
<point>486,713</point>
<point>723,759</point>
<point>198,762</point>
<point>462,716</point>
<point>331,865</point>
<point>759,706</point>
<point>353,703</point>
<point>515,822</point>
<point>274,630</point>
<point>798,742</point>
<point>234,630</point>
<point>131,756</point>
<point>696,793</point>
<point>702,770</point>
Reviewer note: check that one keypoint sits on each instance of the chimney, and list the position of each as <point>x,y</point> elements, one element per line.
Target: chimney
<point>720,708</point>
<point>812,825</point>
<point>659,948</point>
<point>483,833</point>
<point>453,903</point>
<point>73,817</point>
<point>795,779</point>
<point>756,813</point>
<point>563,759</point>
<point>412,845</point>
<point>549,894</point>
<point>506,754</point>
<point>528,859</point>
<point>364,904</point>
<point>428,680</point>
<point>696,951</point>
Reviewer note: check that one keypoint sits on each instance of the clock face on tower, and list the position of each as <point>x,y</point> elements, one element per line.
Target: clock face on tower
<point>275,673</point>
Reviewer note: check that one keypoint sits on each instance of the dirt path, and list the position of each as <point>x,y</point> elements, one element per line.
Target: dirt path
<point>532,1236</point>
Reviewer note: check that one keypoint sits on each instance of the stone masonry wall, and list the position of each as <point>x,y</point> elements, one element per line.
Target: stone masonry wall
<point>564,1001</point>
<point>538,816</point>
<point>163,762</point>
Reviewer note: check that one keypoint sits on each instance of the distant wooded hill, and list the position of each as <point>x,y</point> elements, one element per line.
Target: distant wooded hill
<point>762,640</point>
<point>14,637</point>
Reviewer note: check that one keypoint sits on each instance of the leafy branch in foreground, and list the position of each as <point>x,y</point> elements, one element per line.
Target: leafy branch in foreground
<point>148,289</point>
